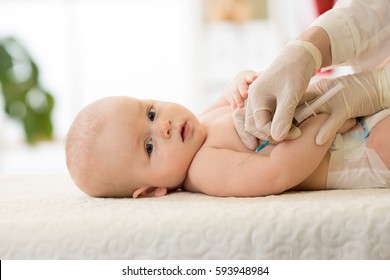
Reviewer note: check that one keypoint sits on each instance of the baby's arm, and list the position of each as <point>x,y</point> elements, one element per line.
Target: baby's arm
<point>288,164</point>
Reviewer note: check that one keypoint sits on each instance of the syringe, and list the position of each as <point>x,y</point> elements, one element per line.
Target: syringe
<point>302,115</point>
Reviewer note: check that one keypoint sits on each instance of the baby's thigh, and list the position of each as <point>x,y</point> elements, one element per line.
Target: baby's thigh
<point>379,140</point>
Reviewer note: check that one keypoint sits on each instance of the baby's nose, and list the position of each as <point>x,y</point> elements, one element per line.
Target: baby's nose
<point>164,128</point>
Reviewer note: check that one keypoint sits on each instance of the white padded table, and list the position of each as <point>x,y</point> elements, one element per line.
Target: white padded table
<point>47,217</point>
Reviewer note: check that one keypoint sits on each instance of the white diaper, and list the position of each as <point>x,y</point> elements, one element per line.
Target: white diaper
<point>352,165</point>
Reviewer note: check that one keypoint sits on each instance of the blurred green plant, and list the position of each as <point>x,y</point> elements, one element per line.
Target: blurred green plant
<point>24,98</point>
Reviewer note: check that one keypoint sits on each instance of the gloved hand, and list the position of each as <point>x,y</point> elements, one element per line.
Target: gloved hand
<point>363,94</point>
<point>282,84</point>
<point>252,142</point>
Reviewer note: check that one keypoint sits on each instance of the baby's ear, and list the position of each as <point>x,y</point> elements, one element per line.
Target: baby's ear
<point>149,192</point>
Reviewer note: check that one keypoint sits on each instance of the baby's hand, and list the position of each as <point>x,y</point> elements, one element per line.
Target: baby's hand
<point>236,91</point>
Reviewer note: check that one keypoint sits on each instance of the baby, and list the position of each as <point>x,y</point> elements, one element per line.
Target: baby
<point>126,147</point>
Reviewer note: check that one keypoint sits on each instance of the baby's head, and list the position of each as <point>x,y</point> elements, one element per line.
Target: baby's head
<point>125,147</point>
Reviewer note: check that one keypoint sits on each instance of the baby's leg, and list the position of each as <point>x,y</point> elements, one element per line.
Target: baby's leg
<point>379,140</point>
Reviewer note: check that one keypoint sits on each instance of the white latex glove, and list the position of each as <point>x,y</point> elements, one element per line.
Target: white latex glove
<point>251,141</point>
<point>274,95</point>
<point>363,94</point>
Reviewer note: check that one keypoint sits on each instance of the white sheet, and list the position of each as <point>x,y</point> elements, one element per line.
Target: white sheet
<point>46,217</point>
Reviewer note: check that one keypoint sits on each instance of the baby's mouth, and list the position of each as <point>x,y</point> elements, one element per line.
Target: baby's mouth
<point>184,131</point>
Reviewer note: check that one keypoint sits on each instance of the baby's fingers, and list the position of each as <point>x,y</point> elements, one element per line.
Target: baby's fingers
<point>243,89</point>
<point>238,100</point>
<point>251,77</point>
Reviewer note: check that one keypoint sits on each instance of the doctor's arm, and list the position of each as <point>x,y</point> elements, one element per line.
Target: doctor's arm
<point>359,32</point>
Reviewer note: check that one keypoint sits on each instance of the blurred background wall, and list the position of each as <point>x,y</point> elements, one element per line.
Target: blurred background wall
<point>177,50</point>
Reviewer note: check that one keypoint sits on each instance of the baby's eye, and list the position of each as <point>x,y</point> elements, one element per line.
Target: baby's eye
<point>149,147</point>
<point>151,114</point>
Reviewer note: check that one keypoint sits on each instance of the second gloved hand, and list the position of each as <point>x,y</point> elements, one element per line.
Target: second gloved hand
<point>363,94</point>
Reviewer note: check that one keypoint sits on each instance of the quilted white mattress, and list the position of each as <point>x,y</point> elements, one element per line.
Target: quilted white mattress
<point>46,217</point>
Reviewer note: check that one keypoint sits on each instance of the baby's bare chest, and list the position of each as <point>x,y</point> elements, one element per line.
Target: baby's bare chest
<point>221,132</point>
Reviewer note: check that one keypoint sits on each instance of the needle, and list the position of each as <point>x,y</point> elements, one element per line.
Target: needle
<point>258,149</point>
